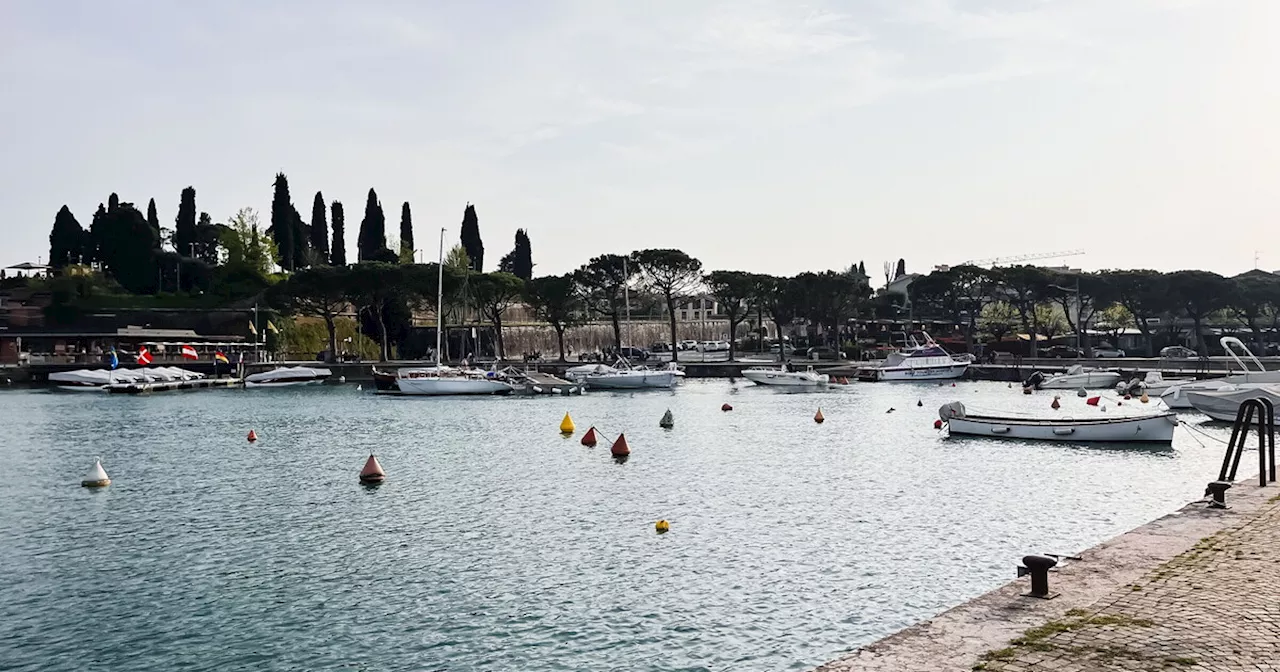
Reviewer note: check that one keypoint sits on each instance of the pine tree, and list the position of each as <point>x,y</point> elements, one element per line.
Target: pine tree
<point>406,234</point>
<point>319,230</point>
<point>65,240</point>
<point>282,222</point>
<point>184,227</point>
<point>373,230</point>
<point>338,251</point>
<point>519,262</point>
<point>471,238</point>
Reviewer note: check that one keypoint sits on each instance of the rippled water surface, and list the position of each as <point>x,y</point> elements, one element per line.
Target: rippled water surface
<point>495,544</point>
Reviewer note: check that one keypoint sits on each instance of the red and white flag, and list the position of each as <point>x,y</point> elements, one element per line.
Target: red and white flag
<point>189,352</point>
<point>144,357</point>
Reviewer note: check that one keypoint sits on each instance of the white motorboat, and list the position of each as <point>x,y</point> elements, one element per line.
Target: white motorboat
<point>287,376</point>
<point>1113,427</point>
<point>443,380</point>
<point>82,380</point>
<point>920,361</point>
<point>623,376</point>
<point>1253,377</point>
<point>1075,378</point>
<point>785,376</point>
<point>1153,384</point>
<point>1223,405</point>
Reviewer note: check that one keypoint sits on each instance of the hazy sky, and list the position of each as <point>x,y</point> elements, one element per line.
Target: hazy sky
<point>754,134</point>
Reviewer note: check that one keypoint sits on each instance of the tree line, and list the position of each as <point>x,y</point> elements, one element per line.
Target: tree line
<point>969,295</point>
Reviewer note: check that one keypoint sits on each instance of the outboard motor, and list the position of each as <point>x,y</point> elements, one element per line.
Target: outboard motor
<point>1034,380</point>
<point>954,409</point>
<point>1133,388</point>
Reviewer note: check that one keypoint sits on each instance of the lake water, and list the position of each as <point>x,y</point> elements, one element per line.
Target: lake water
<point>495,544</point>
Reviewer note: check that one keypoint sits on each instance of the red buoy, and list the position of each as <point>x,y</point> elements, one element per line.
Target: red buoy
<point>253,436</point>
<point>937,424</point>
<point>1093,401</point>
<point>372,474</point>
<point>726,407</point>
<point>589,439</point>
<point>1055,405</point>
<point>817,417</point>
<point>620,447</point>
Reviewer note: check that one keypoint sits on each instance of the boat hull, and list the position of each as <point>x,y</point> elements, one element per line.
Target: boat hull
<point>637,380</point>
<point>1224,406</point>
<point>1145,429</point>
<point>891,374</point>
<point>440,387</point>
<point>1176,396</point>
<point>1091,380</point>
<point>786,378</point>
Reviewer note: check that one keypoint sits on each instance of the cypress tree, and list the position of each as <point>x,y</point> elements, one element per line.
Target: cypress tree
<point>153,220</point>
<point>184,227</point>
<point>282,222</point>
<point>406,234</point>
<point>471,238</point>
<point>301,241</point>
<point>113,202</point>
<point>519,261</point>
<point>338,251</point>
<point>97,232</point>
<point>65,240</point>
<point>373,230</point>
<point>319,230</point>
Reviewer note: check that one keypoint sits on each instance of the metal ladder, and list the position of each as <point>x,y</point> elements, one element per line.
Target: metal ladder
<point>1260,415</point>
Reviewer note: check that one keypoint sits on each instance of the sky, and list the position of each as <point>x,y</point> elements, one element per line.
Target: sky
<point>760,135</point>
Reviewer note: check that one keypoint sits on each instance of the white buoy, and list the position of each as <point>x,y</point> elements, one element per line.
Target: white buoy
<point>97,476</point>
<point>342,379</point>
<point>359,388</point>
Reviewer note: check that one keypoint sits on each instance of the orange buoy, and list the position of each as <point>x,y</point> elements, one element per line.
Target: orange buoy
<point>817,417</point>
<point>726,407</point>
<point>253,436</point>
<point>1055,405</point>
<point>589,439</point>
<point>620,447</point>
<point>372,474</point>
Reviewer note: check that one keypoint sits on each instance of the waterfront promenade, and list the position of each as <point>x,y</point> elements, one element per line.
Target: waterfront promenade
<point>1196,590</point>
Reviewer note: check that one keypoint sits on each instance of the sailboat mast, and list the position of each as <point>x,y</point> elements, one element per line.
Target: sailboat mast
<point>440,299</point>
<point>626,294</point>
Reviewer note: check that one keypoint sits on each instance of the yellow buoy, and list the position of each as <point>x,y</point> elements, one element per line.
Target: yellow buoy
<point>662,526</point>
<point>566,425</point>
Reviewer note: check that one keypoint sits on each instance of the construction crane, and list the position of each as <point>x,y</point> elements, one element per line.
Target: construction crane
<point>1003,261</point>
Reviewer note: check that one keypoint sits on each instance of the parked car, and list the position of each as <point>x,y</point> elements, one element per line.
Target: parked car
<point>784,347</point>
<point>1107,352</point>
<point>660,347</point>
<point>1178,352</point>
<point>713,346</point>
<point>818,352</point>
<point>633,354</point>
<point>688,345</point>
<point>1062,352</point>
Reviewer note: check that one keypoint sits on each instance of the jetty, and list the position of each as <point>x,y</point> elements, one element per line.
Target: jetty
<point>172,385</point>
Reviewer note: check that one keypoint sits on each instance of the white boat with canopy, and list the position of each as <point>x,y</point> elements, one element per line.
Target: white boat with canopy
<point>1075,378</point>
<point>786,376</point>
<point>1253,377</point>
<point>287,376</point>
<point>921,360</point>
<point>1152,427</point>
<point>82,380</point>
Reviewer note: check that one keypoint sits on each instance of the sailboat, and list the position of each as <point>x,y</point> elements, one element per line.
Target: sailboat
<point>442,380</point>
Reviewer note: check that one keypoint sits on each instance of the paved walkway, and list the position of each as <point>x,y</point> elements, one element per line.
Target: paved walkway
<point>1214,607</point>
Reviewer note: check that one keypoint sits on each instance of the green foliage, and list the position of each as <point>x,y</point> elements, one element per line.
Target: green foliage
<point>470,238</point>
<point>519,261</point>
<point>554,299</point>
<point>456,259</point>
<point>998,319</point>
<point>376,289</point>
<point>733,290</point>
<point>307,337</point>
<point>601,284</point>
<point>66,240</point>
<point>318,292</point>
<point>494,293</point>
<point>283,227</point>
<point>671,274</point>
<point>244,246</point>
<point>1200,293</point>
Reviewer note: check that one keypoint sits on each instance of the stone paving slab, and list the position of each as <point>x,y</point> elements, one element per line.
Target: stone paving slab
<point>1198,589</point>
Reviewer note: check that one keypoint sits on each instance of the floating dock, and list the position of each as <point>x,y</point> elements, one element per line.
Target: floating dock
<point>169,386</point>
<point>538,382</point>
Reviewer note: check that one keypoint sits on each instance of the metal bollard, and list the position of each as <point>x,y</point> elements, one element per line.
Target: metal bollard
<point>1038,567</point>
<point>1218,491</point>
